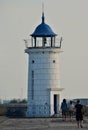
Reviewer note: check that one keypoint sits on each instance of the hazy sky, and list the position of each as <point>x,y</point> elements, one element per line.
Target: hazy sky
<point>18,19</point>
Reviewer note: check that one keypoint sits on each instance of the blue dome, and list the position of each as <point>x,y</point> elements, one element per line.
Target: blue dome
<point>43,30</point>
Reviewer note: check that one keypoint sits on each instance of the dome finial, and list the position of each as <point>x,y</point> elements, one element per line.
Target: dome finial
<point>43,18</point>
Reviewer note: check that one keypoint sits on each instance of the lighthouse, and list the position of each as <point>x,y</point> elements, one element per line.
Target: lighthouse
<point>43,72</point>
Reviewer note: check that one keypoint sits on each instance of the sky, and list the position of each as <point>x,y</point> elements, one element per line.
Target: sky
<point>68,19</point>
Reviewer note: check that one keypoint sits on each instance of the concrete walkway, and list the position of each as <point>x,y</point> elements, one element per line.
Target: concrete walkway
<point>39,124</point>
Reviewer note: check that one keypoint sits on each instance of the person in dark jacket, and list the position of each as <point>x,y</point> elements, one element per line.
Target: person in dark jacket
<point>64,109</point>
<point>79,114</point>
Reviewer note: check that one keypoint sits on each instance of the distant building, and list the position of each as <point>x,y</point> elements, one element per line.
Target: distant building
<point>6,101</point>
<point>83,101</point>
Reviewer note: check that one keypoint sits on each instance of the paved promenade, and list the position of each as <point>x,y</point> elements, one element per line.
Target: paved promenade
<point>39,124</point>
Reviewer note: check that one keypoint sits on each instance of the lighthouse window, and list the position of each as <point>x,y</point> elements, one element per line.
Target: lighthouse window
<point>32,74</point>
<point>32,86</point>
<point>32,61</point>
<point>53,61</point>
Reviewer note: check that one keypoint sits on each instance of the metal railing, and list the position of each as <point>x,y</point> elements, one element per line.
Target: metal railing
<point>30,43</point>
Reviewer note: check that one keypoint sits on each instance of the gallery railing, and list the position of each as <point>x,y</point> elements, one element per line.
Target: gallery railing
<point>30,43</point>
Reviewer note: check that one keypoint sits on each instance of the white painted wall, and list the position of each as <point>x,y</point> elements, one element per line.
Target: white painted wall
<point>46,81</point>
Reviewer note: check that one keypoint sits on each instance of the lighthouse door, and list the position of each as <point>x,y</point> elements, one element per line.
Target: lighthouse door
<point>55,104</point>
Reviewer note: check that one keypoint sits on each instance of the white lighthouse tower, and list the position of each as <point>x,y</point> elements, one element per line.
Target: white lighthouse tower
<point>43,72</point>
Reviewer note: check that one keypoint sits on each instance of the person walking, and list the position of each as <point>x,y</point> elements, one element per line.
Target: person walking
<point>79,114</point>
<point>71,110</point>
<point>64,109</point>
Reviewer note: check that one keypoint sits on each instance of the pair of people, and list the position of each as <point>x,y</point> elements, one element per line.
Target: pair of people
<point>78,109</point>
<point>67,109</point>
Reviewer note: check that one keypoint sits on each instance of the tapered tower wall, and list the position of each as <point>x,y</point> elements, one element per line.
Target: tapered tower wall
<point>43,81</point>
